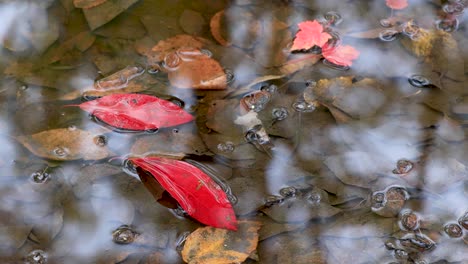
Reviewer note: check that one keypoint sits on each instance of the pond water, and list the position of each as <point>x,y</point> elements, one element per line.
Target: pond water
<point>335,131</point>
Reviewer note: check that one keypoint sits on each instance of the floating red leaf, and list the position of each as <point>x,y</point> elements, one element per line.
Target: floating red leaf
<point>136,112</point>
<point>396,4</point>
<point>196,192</point>
<point>310,34</point>
<point>340,55</point>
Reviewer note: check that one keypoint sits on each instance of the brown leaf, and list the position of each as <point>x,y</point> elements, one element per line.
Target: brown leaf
<point>65,144</point>
<point>105,12</point>
<point>87,3</point>
<point>210,245</point>
<point>192,22</point>
<point>215,27</point>
<point>167,46</point>
<point>298,63</point>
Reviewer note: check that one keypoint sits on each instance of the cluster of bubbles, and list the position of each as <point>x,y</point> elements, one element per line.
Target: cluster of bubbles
<point>257,134</point>
<point>40,176</point>
<point>419,81</point>
<point>60,152</point>
<point>403,166</point>
<point>390,201</point>
<point>314,197</point>
<point>255,101</point>
<point>452,10</point>
<point>226,147</point>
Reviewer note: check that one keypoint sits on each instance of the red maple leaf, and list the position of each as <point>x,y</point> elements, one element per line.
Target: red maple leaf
<point>396,4</point>
<point>340,55</point>
<point>310,34</point>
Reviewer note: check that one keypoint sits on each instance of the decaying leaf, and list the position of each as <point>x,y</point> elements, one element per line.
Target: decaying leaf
<point>66,144</point>
<point>201,73</point>
<point>298,63</point>
<point>440,50</point>
<point>208,245</point>
<point>215,27</point>
<point>167,46</point>
<point>342,55</point>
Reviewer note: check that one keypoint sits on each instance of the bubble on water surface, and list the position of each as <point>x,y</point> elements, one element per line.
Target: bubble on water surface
<point>36,257</point>
<point>255,101</point>
<point>447,25</point>
<point>313,197</point>
<point>129,167</point>
<point>207,52</point>
<point>40,176</point>
<point>401,255</point>
<point>377,200</point>
<point>171,61</point>
<point>271,200</point>
<point>100,140</point>
<point>409,221</point>
<point>226,147</point>
<point>453,230</point>
<point>72,128</point>
<point>279,113</point>
<point>257,134</point>
<point>418,81</point>
<point>269,88</point>
<point>288,192</point>
<point>303,106</point>
<point>124,234</point>
<point>403,166</point>
<point>388,35</point>
<point>334,18</point>
<point>411,30</point>
<point>386,22</point>
<point>453,8</point>
<point>60,152</point>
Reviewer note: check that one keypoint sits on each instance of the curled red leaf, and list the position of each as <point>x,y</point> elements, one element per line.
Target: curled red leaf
<point>310,34</point>
<point>138,112</point>
<point>396,4</point>
<point>340,55</point>
<point>196,192</point>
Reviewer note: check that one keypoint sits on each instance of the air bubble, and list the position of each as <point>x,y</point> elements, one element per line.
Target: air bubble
<point>403,166</point>
<point>411,30</point>
<point>269,88</point>
<point>272,200</point>
<point>314,197</point>
<point>447,25</point>
<point>303,106</point>
<point>171,61</point>
<point>454,9</point>
<point>207,52</point>
<point>377,200</point>
<point>100,140</point>
<point>180,212</point>
<point>453,230</point>
<point>279,113</point>
<point>418,81</point>
<point>255,101</point>
<point>288,192</point>
<point>257,134</point>
<point>226,147</point>
<point>334,18</point>
<point>386,22</point>
<point>401,255</point>
<point>129,167</point>
<point>40,176</point>
<point>60,152</point>
<point>124,235</point>
<point>388,35</point>
<point>310,83</point>
<point>24,87</point>
<point>154,69</point>
<point>72,128</point>
<point>409,221</point>
<point>36,257</point>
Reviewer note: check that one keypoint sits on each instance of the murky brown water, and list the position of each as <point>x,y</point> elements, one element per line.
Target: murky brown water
<point>361,163</point>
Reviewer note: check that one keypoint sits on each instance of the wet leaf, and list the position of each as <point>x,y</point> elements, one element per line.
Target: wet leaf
<point>65,144</point>
<point>13,236</point>
<point>340,55</point>
<point>170,45</point>
<point>82,41</point>
<point>310,34</point>
<point>202,72</point>
<point>195,191</point>
<point>136,112</point>
<point>396,4</point>
<point>210,245</point>
<point>177,142</point>
<point>87,3</point>
<point>122,27</point>
<point>298,63</point>
<point>105,12</point>
<point>248,27</point>
<point>215,27</point>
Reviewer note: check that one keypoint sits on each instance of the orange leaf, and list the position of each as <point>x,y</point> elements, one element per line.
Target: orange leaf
<point>209,245</point>
<point>340,55</point>
<point>396,4</point>
<point>310,34</point>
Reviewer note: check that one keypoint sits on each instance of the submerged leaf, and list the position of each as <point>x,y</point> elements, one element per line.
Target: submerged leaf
<point>210,245</point>
<point>65,144</point>
<point>310,34</point>
<point>195,191</point>
<point>340,55</point>
<point>136,111</point>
